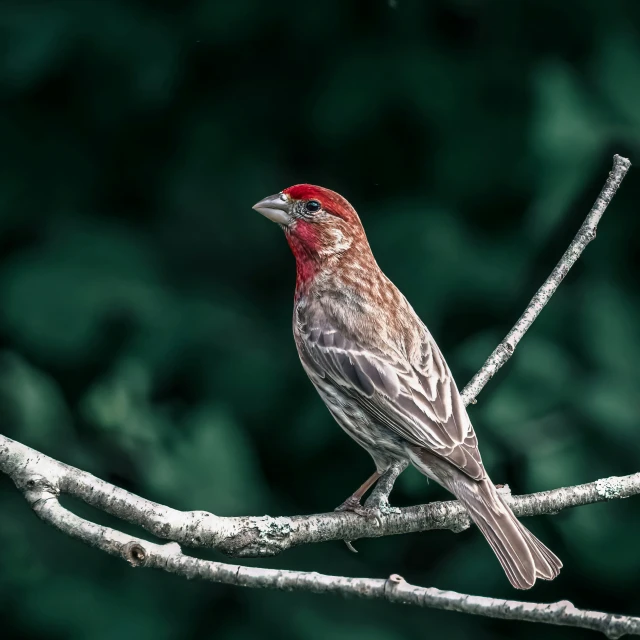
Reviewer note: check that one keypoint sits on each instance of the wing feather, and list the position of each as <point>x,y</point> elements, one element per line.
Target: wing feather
<point>417,400</point>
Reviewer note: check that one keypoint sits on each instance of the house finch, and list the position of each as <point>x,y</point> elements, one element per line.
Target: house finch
<point>382,376</point>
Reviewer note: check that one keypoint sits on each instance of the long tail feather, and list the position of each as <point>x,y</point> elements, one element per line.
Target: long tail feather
<point>522,556</point>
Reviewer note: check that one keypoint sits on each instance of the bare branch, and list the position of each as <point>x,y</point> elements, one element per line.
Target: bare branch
<point>169,557</point>
<point>43,479</point>
<point>249,536</point>
<point>585,235</point>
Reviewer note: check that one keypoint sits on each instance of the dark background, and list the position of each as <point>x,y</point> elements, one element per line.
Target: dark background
<point>145,308</point>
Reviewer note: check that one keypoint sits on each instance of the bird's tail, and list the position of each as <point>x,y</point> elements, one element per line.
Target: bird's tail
<point>522,556</point>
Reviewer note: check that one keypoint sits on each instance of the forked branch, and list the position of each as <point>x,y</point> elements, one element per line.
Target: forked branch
<point>169,557</point>
<point>43,479</point>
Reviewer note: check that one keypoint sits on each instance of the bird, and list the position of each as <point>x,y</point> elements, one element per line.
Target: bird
<point>382,376</point>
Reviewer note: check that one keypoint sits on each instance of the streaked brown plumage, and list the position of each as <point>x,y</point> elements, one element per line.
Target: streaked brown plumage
<point>381,374</point>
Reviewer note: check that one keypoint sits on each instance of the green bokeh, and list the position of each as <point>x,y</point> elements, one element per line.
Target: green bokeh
<point>145,308</point>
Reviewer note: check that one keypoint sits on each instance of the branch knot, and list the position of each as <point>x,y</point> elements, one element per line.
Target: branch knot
<point>134,553</point>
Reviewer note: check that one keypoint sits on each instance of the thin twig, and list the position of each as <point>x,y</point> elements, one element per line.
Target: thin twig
<point>43,479</point>
<point>585,235</point>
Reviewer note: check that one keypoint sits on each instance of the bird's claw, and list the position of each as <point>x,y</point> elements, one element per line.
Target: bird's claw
<point>381,505</point>
<point>350,504</point>
<point>367,512</point>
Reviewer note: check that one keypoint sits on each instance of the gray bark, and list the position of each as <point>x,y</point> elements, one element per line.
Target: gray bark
<point>42,479</point>
<point>42,494</point>
<point>585,235</point>
<point>255,536</point>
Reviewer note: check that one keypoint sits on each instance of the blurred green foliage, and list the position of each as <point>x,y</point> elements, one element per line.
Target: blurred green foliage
<point>145,308</point>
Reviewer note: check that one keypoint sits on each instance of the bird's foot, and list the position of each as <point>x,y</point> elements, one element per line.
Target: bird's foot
<point>353,504</point>
<point>380,503</point>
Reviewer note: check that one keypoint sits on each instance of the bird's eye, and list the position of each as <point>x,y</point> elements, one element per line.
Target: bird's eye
<point>312,206</point>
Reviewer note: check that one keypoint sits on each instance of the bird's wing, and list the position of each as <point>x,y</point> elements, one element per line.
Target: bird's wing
<point>417,400</point>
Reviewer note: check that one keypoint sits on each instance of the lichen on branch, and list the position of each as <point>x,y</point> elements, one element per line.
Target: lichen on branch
<point>42,479</point>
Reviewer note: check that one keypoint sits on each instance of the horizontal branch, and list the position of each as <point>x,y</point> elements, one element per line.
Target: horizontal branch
<point>43,479</point>
<point>264,536</point>
<point>585,235</point>
<point>251,536</point>
<point>169,557</point>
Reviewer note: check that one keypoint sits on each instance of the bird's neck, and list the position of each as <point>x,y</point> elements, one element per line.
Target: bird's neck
<point>341,271</point>
<point>308,262</point>
<point>328,254</point>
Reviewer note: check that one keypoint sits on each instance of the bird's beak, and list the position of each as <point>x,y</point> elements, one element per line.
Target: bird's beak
<point>276,208</point>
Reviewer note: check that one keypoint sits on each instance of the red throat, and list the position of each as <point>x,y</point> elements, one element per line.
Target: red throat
<point>305,244</point>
